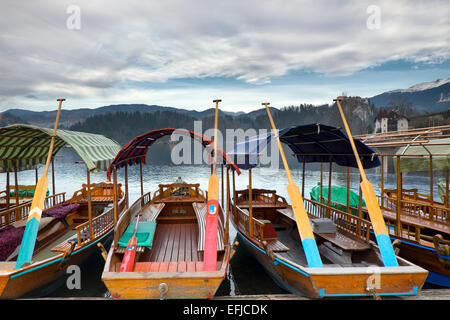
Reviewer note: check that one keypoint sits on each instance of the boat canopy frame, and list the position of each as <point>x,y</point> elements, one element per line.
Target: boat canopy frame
<point>309,143</point>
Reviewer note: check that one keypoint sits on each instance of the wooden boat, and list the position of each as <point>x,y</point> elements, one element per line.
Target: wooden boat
<point>351,262</point>
<point>418,223</point>
<point>70,229</point>
<point>170,236</point>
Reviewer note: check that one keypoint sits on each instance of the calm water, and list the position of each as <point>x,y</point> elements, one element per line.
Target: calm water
<point>245,276</point>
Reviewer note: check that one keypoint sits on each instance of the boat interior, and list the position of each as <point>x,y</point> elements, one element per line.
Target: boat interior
<point>170,231</point>
<point>343,239</point>
<point>64,224</point>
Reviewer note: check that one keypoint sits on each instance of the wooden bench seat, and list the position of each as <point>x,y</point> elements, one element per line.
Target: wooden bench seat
<point>152,211</point>
<point>276,246</point>
<point>338,239</point>
<point>287,212</point>
<point>200,212</point>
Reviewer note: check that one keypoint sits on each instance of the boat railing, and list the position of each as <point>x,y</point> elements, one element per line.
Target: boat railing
<point>416,208</point>
<point>242,218</point>
<point>261,196</point>
<point>125,218</point>
<point>99,191</point>
<point>100,224</point>
<point>20,212</point>
<point>168,189</point>
<point>346,222</point>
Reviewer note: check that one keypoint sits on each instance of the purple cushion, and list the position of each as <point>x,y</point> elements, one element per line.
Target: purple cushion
<point>10,238</point>
<point>61,210</point>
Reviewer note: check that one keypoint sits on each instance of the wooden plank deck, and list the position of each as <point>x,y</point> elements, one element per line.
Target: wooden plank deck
<point>175,243</point>
<point>417,221</point>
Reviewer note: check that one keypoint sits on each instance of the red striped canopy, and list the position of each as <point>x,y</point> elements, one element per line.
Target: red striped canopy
<point>136,150</point>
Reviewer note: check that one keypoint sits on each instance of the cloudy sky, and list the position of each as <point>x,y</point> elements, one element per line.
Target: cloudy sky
<point>187,53</point>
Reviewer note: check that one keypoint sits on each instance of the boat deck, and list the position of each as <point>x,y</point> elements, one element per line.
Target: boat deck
<point>175,243</point>
<point>417,221</point>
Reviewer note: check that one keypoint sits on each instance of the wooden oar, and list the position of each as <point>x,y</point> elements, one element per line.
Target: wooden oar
<point>378,224</point>
<point>130,252</point>
<point>212,213</point>
<point>34,217</point>
<point>301,217</point>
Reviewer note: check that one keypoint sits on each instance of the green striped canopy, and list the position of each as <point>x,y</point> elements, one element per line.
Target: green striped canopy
<point>25,146</point>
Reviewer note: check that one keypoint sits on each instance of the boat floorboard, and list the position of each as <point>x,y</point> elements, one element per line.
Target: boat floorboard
<point>295,253</point>
<point>175,243</point>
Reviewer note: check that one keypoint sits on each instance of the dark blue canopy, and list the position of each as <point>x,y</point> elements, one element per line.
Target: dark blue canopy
<point>312,143</point>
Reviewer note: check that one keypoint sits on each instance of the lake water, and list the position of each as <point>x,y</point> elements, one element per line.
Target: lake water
<point>245,275</point>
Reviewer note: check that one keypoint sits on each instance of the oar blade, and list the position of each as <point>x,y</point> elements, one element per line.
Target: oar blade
<point>304,227</point>
<point>211,225</point>
<point>379,227</point>
<point>32,226</point>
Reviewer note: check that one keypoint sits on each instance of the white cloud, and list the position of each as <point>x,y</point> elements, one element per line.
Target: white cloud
<point>155,41</point>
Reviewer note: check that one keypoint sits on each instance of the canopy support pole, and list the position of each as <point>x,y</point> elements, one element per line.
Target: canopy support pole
<point>329,187</point>
<point>360,214</point>
<point>142,183</point>
<point>16,189</point>
<point>36,174</point>
<point>53,179</point>
<point>126,184</point>
<point>446,189</point>
<point>227,222</point>
<point>348,189</point>
<point>398,224</point>
<point>321,181</point>
<point>234,197</point>
<point>250,200</point>
<point>115,196</point>
<point>7,190</point>
<point>431,178</point>
<point>88,174</point>
<point>303,177</point>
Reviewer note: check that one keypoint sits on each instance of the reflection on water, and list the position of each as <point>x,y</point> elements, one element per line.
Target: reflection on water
<point>246,276</point>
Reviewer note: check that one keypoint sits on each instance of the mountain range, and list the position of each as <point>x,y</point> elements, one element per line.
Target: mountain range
<point>424,98</point>
<point>427,97</point>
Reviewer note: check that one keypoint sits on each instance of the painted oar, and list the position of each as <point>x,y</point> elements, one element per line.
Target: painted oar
<point>301,217</point>
<point>34,217</point>
<point>130,252</point>
<point>212,212</point>
<point>376,217</point>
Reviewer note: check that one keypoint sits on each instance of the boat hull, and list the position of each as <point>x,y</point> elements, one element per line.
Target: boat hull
<point>179,285</point>
<point>338,282</point>
<point>137,285</point>
<point>38,278</point>
<point>429,259</point>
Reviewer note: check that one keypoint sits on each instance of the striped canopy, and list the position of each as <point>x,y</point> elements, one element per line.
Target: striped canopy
<point>24,146</point>
<point>136,150</point>
<point>311,143</point>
